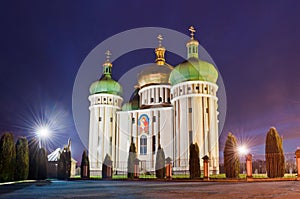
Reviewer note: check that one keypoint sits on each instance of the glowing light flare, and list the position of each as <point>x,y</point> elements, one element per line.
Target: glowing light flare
<point>243,150</point>
<point>48,124</point>
<point>43,132</point>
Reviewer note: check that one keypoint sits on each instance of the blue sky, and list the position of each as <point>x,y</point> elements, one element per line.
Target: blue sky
<point>255,45</point>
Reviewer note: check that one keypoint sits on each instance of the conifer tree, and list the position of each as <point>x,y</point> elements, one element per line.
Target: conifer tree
<point>274,154</point>
<point>64,164</point>
<point>61,167</point>
<point>231,157</point>
<point>107,163</point>
<point>194,161</point>
<point>7,157</point>
<point>33,159</point>
<point>22,159</point>
<point>42,164</point>
<point>160,168</point>
<point>131,157</point>
<point>85,165</point>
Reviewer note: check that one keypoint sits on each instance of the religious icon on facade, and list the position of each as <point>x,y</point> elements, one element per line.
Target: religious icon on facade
<point>143,124</point>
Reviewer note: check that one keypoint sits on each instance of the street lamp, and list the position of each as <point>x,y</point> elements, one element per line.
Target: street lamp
<point>42,132</point>
<point>243,151</point>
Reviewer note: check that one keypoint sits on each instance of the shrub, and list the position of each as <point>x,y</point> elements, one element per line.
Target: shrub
<point>274,154</point>
<point>22,159</point>
<point>231,157</point>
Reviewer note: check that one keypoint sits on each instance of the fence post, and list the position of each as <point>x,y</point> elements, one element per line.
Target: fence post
<point>298,163</point>
<point>249,165</point>
<point>109,170</point>
<point>205,164</point>
<point>169,168</point>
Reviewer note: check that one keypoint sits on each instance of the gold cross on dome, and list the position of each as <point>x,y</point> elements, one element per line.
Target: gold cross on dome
<point>160,38</point>
<point>108,54</point>
<point>192,30</point>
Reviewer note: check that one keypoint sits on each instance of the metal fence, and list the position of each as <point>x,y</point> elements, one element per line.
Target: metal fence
<point>259,164</point>
<point>146,169</point>
<point>180,168</point>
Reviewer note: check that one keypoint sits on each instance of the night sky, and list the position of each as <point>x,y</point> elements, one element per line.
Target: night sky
<point>255,45</point>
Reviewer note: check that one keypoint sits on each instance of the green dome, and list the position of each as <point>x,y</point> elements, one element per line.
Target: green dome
<point>133,103</point>
<point>126,107</point>
<point>106,85</point>
<point>194,69</point>
<point>129,107</point>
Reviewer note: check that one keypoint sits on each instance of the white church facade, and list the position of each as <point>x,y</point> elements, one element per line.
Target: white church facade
<point>172,107</point>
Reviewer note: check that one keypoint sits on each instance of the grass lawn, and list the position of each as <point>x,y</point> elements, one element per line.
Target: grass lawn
<point>180,176</point>
<point>218,176</point>
<point>120,177</point>
<point>187,176</point>
<point>287,175</point>
<point>243,176</point>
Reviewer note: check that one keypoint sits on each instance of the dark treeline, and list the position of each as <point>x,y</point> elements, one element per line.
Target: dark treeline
<point>21,160</point>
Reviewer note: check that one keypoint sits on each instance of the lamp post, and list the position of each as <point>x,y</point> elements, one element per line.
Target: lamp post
<point>56,169</point>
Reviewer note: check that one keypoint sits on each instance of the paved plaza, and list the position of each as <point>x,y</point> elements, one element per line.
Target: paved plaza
<point>152,189</point>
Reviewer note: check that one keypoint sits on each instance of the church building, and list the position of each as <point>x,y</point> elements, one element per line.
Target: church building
<point>173,107</point>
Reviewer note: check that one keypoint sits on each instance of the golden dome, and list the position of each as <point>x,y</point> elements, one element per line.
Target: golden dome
<point>154,74</point>
<point>157,73</point>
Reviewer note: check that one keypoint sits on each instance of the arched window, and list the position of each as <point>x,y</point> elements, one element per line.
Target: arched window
<point>143,145</point>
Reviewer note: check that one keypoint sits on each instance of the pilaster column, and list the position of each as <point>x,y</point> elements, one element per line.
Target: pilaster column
<point>298,163</point>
